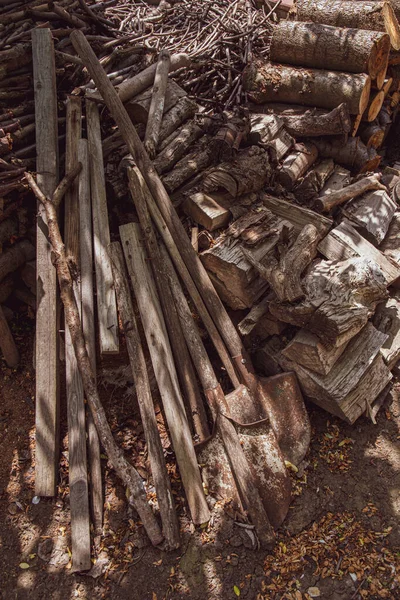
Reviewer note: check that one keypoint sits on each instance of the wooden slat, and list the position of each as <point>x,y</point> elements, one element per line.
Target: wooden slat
<point>47,314</point>
<point>106,302</point>
<point>78,480</point>
<point>88,326</point>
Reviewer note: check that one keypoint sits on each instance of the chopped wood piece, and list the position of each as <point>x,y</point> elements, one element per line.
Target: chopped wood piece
<point>248,172</point>
<point>386,320</point>
<point>138,108</point>
<point>228,138</point>
<point>259,323</point>
<point>269,82</point>
<point>314,180</point>
<point>264,128</point>
<point>283,271</point>
<point>297,215</point>
<point>189,166</point>
<point>372,134</point>
<point>137,361</point>
<point>346,383</point>
<point>156,109</point>
<point>329,201</point>
<point>178,147</point>
<point>345,242</point>
<point>296,164</point>
<point>161,355</point>
<point>338,180</point>
<point>106,302</point>
<point>206,211</point>
<point>280,146</point>
<point>353,155</point>
<point>314,123</point>
<point>373,16</point>
<point>307,350</point>
<point>326,47</point>
<point>372,214</point>
<point>7,344</point>
<point>183,110</point>
<point>47,314</point>
<point>391,244</point>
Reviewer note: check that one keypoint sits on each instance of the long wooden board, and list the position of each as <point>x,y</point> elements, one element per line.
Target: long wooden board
<point>47,314</point>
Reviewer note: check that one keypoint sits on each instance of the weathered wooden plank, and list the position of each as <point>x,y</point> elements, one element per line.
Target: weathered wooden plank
<point>78,479</point>
<point>106,302</point>
<point>345,242</point>
<point>47,314</point>
<point>297,215</point>
<point>164,369</point>
<point>89,327</point>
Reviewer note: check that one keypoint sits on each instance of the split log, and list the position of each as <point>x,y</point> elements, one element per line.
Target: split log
<point>259,323</point>
<point>88,326</point>
<point>374,106</point>
<point>127,473</point>
<point>284,272</point>
<point>15,256</point>
<point>329,201</point>
<point>338,180</point>
<point>139,108</point>
<point>296,164</point>
<point>353,155</point>
<point>205,210</point>
<point>372,214</point>
<point>345,242</point>
<point>183,363</point>
<point>229,137</point>
<point>189,166</point>
<point>314,180</point>
<point>326,47</point>
<point>133,86</point>
<point>156,109</point>
<point>386,320</point>
<point>247,173</point>
<point>297,215</point>
<point>161,355</point>
<point>269,82</point>
<point>143,392</point>
<point>264,128</point>
<point>307,350</point>
<point>106,303</point>
<point>178,147</point>
<point>7,344</point>
<point>351,384</point>
<point>391,244</point>
<point>372,16</point>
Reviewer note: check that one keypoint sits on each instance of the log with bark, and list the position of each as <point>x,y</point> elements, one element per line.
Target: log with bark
<point>325,47</point>
<point>296,164</point>
<point>190,166</point>
<point>179,146</point>
<point>314,180</point>
<point>229,137</point>
<point>369,15</point>
<point>259,323</point>
<point>139,107</point>
<point>297,215</point>
<point>270,82</point>
<point>353,155</point>
<point>338,197</point>
<point>372,134</point>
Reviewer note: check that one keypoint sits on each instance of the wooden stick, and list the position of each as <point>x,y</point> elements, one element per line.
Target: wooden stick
<point>78,480</point>
<point>156,110</point>
<point>164,369</point>
<point>47,314</point>
<point>130,477</point>
<point>139,371</point>
<point>183,363</point>
<point>106,303</point>
<point>7,344</point>
<point>88,327</point>
<point>326,203</point>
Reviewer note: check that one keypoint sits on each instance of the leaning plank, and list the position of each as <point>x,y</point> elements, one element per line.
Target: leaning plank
<point>7,344</point>
<point>386,320</point>
<point>326,47</point>
<point>161,355</point>
<point>270,82</point>
<point>78,480</point>
<point>137,361</point>
<point>297,215</point>
<point>106,303</point>
<point>46,360</point>
<point>88,327</point>
<point>372,214</point>
<point>373,16</point>
<point>345,242</point>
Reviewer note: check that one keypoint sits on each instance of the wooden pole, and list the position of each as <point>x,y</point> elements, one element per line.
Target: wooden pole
<point>47,314</point>
<point>78,481</point>
<point>164,369</point>
<point>142,385</point>
<point>130,477</point>
<point>88,326</point>
<point>106,302</point>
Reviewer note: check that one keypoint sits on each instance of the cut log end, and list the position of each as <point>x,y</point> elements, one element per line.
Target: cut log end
<point>374,107</point>
<point>379,59</point>
<point>365,96</point>
<point>391,25</point>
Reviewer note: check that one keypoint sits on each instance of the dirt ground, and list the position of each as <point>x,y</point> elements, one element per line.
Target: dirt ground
<point>341,539</point>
